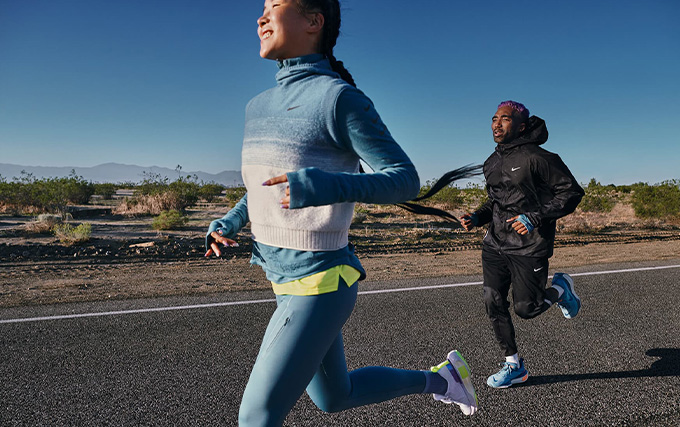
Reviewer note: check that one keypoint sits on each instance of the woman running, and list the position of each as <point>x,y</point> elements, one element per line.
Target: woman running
<point>302,144</point>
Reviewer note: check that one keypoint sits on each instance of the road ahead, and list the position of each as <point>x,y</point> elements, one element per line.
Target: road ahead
<point>617,363</point>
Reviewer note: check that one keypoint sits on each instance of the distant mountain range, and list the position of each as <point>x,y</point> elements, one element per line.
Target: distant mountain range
<point>118,173</point>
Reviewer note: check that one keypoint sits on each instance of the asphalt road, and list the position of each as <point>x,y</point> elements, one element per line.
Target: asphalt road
<point>617,363</point>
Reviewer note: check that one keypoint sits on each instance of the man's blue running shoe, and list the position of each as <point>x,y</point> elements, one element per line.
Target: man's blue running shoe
<point>509,374</point>
<point>570,303</point>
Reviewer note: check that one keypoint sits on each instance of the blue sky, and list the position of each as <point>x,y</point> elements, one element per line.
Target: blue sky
<point>165,82</point>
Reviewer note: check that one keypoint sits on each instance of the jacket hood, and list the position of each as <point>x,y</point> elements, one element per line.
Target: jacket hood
<point>536,133</point>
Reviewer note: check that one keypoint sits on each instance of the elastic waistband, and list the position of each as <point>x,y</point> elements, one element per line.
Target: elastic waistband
<point>319,283</point>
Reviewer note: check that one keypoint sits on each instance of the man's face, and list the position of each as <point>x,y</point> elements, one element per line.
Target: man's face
<point>506,125</point>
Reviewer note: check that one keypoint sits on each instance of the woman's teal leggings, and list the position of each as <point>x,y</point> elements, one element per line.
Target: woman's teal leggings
<point>302,349</point>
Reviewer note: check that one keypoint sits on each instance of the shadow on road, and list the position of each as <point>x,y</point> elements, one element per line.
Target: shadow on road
<point>667,366</point>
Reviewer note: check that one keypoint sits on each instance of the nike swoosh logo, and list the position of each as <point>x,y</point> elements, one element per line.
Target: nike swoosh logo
<point>514,169</point>
<point>536,270</point>
<point>292,108</point>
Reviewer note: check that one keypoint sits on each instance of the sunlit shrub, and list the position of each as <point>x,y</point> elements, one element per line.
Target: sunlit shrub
<point>169,220</point>
<point>106,190</point>
<point>70,235</point>
<point>155,195</point>
<point>211,191</point>
<point>598,198</point>
<point>26,193</point>
<point>657,201</point>
<point>234,194</point>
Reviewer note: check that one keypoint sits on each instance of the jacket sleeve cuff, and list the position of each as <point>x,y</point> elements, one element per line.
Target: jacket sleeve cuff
<point>526,222</point>
<point>535,218</point>
<point>222,231</point>
<point>310,187</point>
<point>296,190</point>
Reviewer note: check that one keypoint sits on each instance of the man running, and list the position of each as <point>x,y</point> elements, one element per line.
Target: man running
<point>529,188</point>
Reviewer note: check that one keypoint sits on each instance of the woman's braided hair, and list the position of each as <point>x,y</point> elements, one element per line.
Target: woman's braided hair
<point>330,9</point>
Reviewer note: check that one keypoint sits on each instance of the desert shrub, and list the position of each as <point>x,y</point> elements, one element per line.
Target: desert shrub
<point>43,223</point>
<point>598,198</point>
<point>209,192</point>
<point>106,190</point>
<point>4,189</point>
<point>155,195</point>
<point>70,235</point>
<point>6,195</point>
<point>360,213</point>
<point>126,184</point>
<point>360,208</point>
<point>152,184</point>
<point>169,220</point>
<point>75,189</point>
<point>234,194</point>
<point>29,194</point>
<point>624,189</point>
<point>149,204</point>
<point>657,201</point>
<point>186,190</point>
<point>474,196</point>
<point>449,197</point>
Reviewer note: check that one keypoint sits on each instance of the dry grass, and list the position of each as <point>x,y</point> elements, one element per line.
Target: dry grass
<point>43,224</point>
<point>148,205</point>
<point>11,209</point>
<point>621,217</point>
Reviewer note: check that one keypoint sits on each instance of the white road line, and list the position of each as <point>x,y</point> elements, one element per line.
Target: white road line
<point>418,288</point>
<point>135,311</point>
<point>232,303</point>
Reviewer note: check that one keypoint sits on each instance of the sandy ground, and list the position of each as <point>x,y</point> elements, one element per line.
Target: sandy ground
<point>55,281</point>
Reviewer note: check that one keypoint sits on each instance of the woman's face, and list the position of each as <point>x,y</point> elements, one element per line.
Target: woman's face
<point>284,32</point>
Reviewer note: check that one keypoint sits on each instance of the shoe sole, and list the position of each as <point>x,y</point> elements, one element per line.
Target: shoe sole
<point>570,282</point>
<point>512,382</point>
<point>463,370</point>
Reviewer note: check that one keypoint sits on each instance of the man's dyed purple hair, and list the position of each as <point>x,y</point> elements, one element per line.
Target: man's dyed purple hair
<point>520,109</point>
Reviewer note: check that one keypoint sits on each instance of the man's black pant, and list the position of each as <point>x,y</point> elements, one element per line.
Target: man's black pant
<point>528,276</point>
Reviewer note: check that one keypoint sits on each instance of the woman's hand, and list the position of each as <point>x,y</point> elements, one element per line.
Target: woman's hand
<point>214,246</point>
<point>285,202</point>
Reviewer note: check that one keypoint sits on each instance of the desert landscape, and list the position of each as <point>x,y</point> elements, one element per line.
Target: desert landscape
<point>126,258</point>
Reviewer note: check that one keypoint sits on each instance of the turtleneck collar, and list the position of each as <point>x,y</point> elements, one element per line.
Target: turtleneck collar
<point>300,60</point>
<point>293,69</point>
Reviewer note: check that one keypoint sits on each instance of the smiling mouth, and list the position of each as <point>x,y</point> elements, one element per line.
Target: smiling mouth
<point>266,34</point>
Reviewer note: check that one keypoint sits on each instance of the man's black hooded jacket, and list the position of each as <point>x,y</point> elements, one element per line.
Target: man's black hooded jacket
<point>523,178</point>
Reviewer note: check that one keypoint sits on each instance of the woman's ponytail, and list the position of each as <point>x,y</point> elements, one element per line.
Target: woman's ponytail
<point>448,178</point>
<point>339,68</point>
